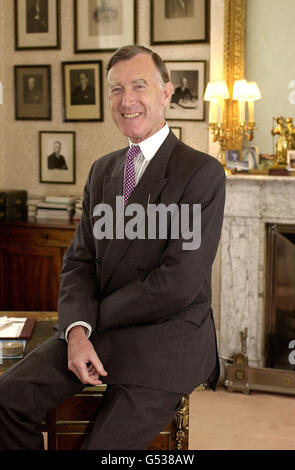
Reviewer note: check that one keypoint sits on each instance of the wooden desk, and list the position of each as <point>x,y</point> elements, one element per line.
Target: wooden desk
<point>70,422</point>
<point>67,425</point>
<point>43,329</point>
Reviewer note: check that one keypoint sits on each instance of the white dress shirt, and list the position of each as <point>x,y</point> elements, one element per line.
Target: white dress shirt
<point>149,148</point>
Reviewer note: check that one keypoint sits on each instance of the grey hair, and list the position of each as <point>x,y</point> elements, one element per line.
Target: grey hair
<point>128,52</point>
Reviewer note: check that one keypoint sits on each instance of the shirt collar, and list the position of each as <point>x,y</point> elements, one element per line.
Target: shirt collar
<point>151,145</point>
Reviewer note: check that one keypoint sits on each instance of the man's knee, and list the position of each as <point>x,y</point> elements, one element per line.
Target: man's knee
<point>12,394</point>
<point>23,384</point>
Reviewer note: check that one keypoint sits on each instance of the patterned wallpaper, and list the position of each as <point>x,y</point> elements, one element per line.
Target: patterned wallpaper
<point>19,147</point>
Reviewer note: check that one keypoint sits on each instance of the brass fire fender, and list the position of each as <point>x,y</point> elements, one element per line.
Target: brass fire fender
<point>233,58</point>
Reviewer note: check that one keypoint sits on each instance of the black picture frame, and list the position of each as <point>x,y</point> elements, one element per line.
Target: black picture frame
<point>32,92</point>
<point>177,131</point>
<point>81,106</point>
<point>85,22</point>
<point>189,80</point>
<point>179,21</point>
<point>39,31</point>
<point>61,168</point>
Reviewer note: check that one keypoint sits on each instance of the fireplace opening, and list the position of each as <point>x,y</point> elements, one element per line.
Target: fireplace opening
<point>280,295</point>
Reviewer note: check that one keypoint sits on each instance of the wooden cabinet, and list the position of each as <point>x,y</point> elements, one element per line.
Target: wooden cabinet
<point>30,263</point>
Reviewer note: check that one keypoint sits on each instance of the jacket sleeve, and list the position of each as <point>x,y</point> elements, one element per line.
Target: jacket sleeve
<point>176,281</point>
<point>79,290</point>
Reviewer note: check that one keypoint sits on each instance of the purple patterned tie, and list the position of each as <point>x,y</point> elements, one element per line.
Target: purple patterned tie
<point>129,178</point>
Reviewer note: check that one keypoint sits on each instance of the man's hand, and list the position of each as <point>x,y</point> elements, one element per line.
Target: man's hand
<point>82,358</point>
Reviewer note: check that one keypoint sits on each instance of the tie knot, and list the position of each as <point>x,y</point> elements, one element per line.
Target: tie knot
<point>133,151</point>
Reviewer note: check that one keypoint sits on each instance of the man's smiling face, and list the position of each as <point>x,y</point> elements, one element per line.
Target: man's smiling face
<point>138,97</point>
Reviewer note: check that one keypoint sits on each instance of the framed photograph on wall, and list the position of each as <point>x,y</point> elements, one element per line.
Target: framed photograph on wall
<point>179,21</point>
<point>82,91</point>
<point>176,131</point>
<point>32,92</point>
<point>57,157</point>
<point>188,78</point>
<point>104,25</point>
<point>37,24</point>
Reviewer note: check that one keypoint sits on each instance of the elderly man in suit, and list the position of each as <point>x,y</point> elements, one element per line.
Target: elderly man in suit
<point>134,313</point>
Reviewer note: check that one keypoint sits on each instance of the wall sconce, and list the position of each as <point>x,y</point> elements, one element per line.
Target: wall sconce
<point>216,93</point>
<point>240,93</point>
<point>243,91</point>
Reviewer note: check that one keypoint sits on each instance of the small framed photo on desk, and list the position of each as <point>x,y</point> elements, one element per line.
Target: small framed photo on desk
<point>251,155</point>
<point>291,159</point>
<point>232,155</point>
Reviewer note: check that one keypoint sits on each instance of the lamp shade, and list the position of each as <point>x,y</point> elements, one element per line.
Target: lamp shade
<point>240,90</point>
<point>208,95</point>
<point>253,91</point>
<point>216,90</point>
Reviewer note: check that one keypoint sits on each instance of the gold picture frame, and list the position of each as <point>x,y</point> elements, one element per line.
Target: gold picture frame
<point>82,91</point>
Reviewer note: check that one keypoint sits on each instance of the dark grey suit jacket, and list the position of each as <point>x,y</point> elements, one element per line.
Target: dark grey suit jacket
<point>148,301</point>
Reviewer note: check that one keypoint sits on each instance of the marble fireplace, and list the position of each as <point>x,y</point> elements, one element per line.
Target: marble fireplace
<point>252,202</point>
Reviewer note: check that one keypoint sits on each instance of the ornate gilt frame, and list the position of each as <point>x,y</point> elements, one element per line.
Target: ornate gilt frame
<point>234,56</point>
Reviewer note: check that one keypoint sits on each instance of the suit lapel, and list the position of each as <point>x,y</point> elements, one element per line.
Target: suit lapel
<point>113,184</point>
<point>146,191</point>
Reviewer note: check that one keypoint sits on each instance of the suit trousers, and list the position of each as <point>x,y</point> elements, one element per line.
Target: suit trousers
<point>128,418</point>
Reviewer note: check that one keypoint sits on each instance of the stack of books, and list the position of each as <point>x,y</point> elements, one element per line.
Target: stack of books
<point>56,208</point>
<point>32,205</point>
<point>78,209</point>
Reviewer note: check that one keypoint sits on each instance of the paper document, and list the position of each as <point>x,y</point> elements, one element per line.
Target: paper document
<point>11,327</point>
